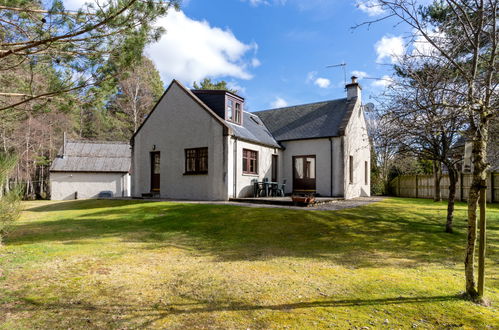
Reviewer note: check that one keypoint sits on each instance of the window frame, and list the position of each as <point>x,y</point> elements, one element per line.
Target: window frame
<point>236,110</point>
<point>247,161</point>
<point>200,155</point>
<point>350,169</point>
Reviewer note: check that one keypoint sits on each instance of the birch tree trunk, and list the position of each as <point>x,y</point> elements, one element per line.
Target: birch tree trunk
<point>452,197</point>
<point>479,176</point>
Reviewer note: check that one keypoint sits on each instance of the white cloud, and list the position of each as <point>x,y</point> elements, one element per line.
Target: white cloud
<point>279,103</point>
<point>311,76</point>
<point>421,46</point>
<point>76,4</point>
<point>360,74</point>
<point>383,82</point>
<point>390,47</point>
<point>370,7</point>
<point>241,91</point>
<point>255,62</point>
<point>256,3</point>
<point>322,82</point>
<point>191,50</point>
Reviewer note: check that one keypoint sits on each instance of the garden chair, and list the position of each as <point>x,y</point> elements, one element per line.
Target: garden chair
<point>280,191</point>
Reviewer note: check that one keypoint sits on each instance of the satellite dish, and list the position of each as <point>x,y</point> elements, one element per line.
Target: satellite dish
<point>369,107</point>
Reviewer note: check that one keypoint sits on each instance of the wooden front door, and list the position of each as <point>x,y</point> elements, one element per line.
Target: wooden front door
<point>155,171</point>
<point>304,175</point>
<point>274,168</point>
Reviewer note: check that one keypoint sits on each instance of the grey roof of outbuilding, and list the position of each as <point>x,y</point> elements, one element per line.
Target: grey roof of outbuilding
<point>314,120</point>
<point>90,156</point>
<point>254,130</point>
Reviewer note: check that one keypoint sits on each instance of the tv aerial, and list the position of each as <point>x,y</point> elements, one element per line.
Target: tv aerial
<point>344,66</point>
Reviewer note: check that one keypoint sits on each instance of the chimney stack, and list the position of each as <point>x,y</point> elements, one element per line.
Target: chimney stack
<point>353,89</point>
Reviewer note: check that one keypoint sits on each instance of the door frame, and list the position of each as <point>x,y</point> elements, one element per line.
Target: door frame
<point>152,155</point>
<point>315,172</point>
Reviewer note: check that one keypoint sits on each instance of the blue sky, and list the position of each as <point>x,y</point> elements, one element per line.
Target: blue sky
<point>275,52</point>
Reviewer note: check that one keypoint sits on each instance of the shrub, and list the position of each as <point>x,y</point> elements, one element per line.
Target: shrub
<point>10,206</point>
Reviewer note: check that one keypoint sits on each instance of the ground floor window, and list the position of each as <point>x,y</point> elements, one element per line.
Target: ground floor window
<point>250,161</point>
<point>196,161</point>
<point>350,169</point>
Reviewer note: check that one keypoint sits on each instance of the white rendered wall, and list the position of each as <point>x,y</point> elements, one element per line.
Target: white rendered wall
<point>63,185</point>
<point>179,123</point>
<point>357,145</point>
<point>322,149</point>
<point>244,187</point>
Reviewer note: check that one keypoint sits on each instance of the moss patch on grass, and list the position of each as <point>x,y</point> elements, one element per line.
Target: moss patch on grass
<point>135,264</point>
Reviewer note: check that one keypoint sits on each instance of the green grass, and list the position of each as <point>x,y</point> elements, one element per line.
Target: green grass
<point>128,264</point>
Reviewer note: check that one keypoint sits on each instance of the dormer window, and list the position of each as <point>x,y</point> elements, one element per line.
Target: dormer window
<point>230,109</point>
<point>234,110</point>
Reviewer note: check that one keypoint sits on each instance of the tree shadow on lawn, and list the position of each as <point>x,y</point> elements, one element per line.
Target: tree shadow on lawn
<point>84,204</point>
<point>359,237</point>
<point>147,315</point>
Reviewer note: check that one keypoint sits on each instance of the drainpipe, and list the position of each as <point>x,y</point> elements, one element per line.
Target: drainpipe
<point>345,184</point>
<point>332,164</point>
<point>234,193</point>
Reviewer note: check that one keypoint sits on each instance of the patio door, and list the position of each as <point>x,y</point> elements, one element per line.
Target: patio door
<point>274,168</point>
<point>304,176</point>
<point>155,171</point>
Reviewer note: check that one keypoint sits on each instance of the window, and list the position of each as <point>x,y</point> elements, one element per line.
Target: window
<point>250,161</point>
<point>196,161</point>
<point>234,110</point>
<point>238,113</point>
<point>350,168</point>
<point>230,109</point>
<point>366,173</point>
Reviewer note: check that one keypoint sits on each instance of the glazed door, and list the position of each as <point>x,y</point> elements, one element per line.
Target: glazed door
<point>274,168</point>
<point>304,176</point>
<point>155,171</point>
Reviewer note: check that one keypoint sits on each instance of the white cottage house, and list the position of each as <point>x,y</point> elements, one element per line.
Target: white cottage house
<point>89,169</point>
<point>202,145</point>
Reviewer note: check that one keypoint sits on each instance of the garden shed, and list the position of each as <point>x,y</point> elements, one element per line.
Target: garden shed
<point>91,169</point>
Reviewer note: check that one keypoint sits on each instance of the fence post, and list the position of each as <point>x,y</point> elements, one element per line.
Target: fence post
<point>417,187</point>
<point>462,186</point>
<point>492,187</point>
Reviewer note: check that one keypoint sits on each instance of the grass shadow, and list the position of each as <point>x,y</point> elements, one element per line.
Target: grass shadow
<point>364,236</point>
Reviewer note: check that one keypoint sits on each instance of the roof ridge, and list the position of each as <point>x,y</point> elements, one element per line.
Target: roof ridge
<point>97,142</point>
<point>300,105</point>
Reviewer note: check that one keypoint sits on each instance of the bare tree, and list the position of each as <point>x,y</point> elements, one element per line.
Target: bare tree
<point>416,104</point>
<point>138,90</point>
<point>464,37</point>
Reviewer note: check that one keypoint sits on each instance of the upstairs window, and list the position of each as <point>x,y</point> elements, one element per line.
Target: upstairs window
<point>250,161</point>
<point>196,161</point>
<point>230,109</point>
<point>234,110</point>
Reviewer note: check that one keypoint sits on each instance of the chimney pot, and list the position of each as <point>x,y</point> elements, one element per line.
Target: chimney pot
<point>354,79</point>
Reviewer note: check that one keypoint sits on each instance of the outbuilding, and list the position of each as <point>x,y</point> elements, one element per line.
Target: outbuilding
<point>90,169</point>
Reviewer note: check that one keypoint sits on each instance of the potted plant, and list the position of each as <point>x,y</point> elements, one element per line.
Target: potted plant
<point>303,199</point>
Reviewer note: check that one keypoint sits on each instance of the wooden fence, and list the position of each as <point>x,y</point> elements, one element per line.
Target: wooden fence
<point>421,186</point>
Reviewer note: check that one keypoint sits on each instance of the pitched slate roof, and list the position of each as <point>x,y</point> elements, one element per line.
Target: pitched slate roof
<point>90,156</point>
<point>314,120</point>
<point>254,130</point>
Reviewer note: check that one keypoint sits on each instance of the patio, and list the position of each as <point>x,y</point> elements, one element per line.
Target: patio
<point>286,201</point>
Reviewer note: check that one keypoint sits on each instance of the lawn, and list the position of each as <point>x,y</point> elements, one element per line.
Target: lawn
<point>129,264</point>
